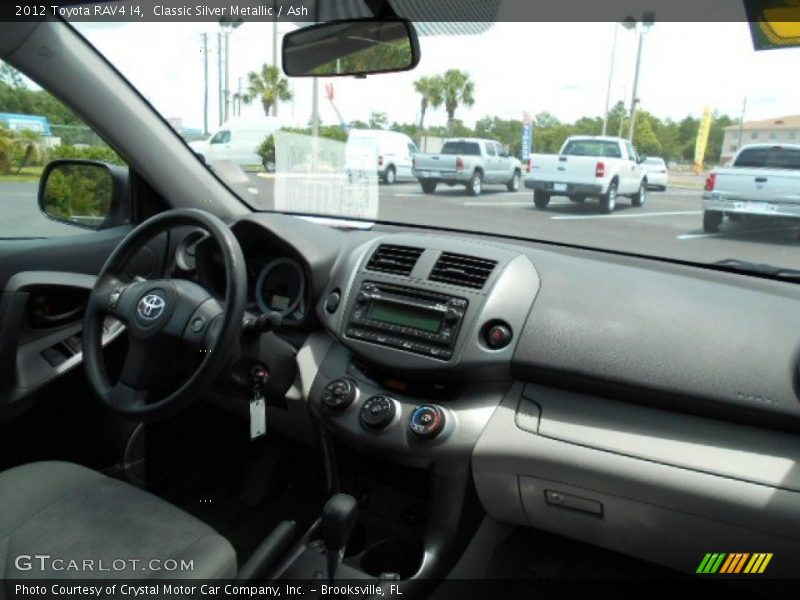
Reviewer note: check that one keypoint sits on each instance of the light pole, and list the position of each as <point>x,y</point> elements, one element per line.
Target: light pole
<point>227,26</point>
<point>647,22</point>
<point>628,24</point>
<point>205,83</point>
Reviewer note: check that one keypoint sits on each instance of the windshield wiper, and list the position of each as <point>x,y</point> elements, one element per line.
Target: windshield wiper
<point>735,265</point>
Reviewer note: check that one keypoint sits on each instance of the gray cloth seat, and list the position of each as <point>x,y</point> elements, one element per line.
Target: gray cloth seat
<point>70,513</point>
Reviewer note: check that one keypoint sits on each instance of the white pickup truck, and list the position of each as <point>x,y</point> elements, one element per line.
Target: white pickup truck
<point>589,166</point>
<point>763,180</point>
<point>470,162</point>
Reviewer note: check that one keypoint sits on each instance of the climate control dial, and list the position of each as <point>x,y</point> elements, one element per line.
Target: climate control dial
<point>339,394</point>
<point>377,412</point>
<point>427,421</point>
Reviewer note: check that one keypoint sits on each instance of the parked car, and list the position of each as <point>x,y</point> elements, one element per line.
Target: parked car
<point>237,140</point>
<point>470,162</point>
<point>589,166</point>
<point>657,173</point>
<point>763,180</point>
<point>393,151</point>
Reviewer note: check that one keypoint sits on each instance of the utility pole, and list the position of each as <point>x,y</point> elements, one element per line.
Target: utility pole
<point>634,99</point>
<point>227,73</point>
<point>741,124</point>
<point>275,50</point>
<point>205,83</point>
<point>238,108</point>
<point>219,75</point>
<point>647,22</point>
<point>610,78</point>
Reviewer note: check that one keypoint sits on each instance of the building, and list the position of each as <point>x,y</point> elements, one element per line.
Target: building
<point>780,130</point>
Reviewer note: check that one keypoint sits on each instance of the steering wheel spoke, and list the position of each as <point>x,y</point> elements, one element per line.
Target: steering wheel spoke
<point>126,398</point>
<point>114,297</point>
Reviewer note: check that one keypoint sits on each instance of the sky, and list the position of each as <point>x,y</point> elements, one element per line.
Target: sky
<point>534,67</point>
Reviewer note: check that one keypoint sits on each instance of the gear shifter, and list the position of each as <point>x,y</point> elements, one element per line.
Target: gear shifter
<point>339,516</point>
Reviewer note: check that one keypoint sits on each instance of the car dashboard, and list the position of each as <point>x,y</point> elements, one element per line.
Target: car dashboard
<point>557,380</point>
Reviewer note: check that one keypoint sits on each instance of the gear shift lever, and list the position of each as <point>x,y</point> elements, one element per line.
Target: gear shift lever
<point>339,516</point>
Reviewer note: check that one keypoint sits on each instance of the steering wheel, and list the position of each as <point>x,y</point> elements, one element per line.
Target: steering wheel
<point>163,318</point>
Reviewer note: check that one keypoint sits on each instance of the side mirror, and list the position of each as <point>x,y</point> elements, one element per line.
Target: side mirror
<point>353,47</point>
<point>641,159</point>
<point>86,193</point>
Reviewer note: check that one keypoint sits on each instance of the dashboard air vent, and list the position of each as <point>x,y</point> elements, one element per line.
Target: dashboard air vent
<point>459,269</point>
<point>399,260</point>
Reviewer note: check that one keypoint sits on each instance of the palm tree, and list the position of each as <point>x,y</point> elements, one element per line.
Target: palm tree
<point>268,86</point>
<point>458,89</point>
<point>430,88</point>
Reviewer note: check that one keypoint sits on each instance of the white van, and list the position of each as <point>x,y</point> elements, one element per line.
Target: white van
<point>392,152</point>
<point>237,140</point>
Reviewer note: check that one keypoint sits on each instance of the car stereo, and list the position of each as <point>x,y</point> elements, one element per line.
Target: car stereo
<point>406,318</point>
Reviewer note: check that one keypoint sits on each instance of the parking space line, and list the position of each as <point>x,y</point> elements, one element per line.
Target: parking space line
<point>692,236</point>
<point>634,216</point>
<point>501,203</point>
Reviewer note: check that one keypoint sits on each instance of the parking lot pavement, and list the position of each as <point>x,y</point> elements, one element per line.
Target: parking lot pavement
<point>20,215</point>
<point>668,225</point>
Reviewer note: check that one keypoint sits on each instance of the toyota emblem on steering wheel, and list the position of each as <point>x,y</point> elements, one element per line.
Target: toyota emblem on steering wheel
<point>151,307</point>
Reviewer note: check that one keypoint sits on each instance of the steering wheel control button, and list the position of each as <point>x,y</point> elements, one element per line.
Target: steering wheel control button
<point>332,303</point>
<point>197,324</point>
<point>377,412</point>
<point>339,394</point>
<point>498,335</point>
<point>113,298</point>
<point>427,421</point>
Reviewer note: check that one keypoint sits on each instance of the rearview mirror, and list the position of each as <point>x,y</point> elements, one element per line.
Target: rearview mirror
<point>355,47</point>
<point>81,192</point>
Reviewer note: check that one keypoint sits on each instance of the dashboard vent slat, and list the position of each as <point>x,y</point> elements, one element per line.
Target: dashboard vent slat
<point>398,260</point>
<point>462,270</point>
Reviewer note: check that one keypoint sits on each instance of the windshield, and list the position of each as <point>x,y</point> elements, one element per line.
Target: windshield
<point>281,143</point>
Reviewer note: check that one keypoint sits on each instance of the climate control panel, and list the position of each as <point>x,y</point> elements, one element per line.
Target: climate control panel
<point>377,412</point>
<point>427,421</point>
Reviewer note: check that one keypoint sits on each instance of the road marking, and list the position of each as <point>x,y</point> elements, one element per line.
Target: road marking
<point>692,236</point>
<point>626,216</point>
<point>501,203</point>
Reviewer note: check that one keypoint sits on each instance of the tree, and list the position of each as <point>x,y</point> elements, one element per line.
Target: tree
<point>268,86</point>
<point>10,76</point>
<point>378,120</point>
<point>431,90</point>
<point>458,89</point>
<point>644,138</point>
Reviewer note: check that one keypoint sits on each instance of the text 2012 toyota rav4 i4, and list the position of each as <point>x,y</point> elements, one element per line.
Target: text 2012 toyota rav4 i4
<point>209,371</point>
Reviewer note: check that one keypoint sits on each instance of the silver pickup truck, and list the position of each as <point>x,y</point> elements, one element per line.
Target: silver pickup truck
<point>470,162</point>
<point>763,180</point>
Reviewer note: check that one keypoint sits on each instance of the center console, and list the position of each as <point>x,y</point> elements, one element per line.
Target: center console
<point>424,332</point>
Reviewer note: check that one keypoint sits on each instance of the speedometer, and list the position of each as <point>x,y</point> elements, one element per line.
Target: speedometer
<point>281,287</point>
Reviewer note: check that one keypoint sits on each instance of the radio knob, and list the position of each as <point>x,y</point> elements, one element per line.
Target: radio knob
<point>451,315</point>
<point>427,421</point>
<point>362,298</point>
<point>339,394</point>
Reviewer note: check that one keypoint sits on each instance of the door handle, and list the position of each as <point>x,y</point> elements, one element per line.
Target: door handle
<point>761,180</point>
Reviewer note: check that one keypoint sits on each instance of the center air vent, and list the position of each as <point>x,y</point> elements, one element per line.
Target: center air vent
<point>399,260</point>
<point>459,269</point>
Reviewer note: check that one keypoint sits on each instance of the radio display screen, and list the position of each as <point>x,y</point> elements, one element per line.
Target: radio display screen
<point>406,316</point>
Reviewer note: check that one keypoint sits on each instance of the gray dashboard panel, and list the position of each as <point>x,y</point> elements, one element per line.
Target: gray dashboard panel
<point>670,329</point>
<point>648,487</point>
